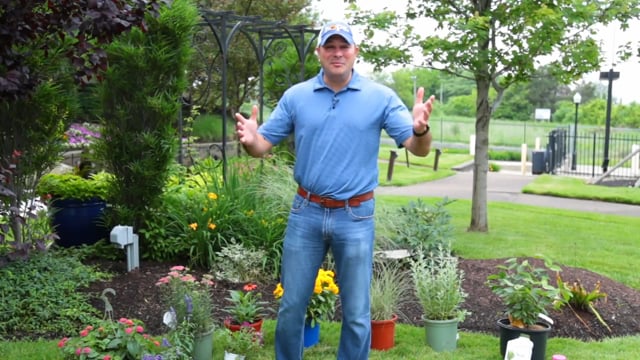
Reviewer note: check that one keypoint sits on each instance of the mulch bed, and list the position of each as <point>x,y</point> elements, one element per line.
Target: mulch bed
<point>138,297</point>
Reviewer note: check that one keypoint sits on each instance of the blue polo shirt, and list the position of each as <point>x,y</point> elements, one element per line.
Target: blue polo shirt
<point>337,134</point>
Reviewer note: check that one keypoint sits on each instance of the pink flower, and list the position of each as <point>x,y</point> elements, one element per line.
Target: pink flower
<point>174,274</point>
<point>163,280</point>
<point>86,350</point>
<point>84,332</point>
<point>107,357</point>
<point>188,278</point>
<point>62,342</point>
<point>178,268</point>
<point>126,321</point>
<point>128,330</point>
<point>139,329</point>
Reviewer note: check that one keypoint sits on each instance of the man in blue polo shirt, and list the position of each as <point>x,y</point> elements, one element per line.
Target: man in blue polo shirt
<point>336,119</point>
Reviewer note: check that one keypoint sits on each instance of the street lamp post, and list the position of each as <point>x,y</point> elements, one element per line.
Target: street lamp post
<point>414,78</point>
<point>576,100</point>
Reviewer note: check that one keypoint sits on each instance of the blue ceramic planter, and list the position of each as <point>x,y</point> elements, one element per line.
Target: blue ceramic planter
<point>78,222</point>
<point>311,334</point>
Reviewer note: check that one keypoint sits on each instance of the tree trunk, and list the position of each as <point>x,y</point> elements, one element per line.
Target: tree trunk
<point>479,216</point>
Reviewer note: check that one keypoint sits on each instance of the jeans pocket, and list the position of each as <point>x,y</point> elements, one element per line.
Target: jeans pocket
<point>364,211</point>
<point>299,203</point>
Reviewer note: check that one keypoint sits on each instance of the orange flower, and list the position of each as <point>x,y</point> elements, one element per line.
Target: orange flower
<point>250,287</point>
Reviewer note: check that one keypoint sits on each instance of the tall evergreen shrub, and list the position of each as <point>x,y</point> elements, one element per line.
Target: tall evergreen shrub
<point>140,101</point>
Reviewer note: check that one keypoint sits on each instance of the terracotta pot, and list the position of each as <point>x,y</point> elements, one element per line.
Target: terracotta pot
<point>383,333</point>
<point>257,326</point>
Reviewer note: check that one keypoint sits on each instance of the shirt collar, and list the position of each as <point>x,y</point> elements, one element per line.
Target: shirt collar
<point>354,84</point>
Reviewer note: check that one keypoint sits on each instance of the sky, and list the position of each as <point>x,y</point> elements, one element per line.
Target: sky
<point>624,89</point>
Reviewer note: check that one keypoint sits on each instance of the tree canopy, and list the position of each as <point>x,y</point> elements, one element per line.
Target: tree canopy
<point>496,43</point>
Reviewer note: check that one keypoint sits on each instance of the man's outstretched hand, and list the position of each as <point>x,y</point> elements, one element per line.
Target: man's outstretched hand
<point>247,129</point>
<point>422,111</point>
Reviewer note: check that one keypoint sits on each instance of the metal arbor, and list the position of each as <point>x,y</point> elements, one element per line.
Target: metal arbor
<point>262,35</point>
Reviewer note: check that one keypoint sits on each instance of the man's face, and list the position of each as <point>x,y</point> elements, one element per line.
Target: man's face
<point>337,56</point>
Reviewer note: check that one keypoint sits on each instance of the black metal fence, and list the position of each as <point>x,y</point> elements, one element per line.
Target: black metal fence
<point>591,154</point>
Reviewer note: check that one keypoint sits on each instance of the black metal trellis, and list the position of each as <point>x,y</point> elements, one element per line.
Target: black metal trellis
<point>261,34</point>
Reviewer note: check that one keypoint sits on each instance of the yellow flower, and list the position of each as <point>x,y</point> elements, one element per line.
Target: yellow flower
<point>212,196</point>
<point>325,293</point>
<point>211,226</point>
<point>279,291</point>
<point>334,289</point>
<point>194,226</point>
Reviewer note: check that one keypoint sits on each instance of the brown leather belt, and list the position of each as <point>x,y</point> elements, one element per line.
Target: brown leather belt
<point>333,203</point>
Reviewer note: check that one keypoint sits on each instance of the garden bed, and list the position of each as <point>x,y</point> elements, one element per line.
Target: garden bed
<point>138,297</point>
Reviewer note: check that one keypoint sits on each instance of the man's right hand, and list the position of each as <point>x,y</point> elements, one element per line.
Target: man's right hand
<point>247,129</point>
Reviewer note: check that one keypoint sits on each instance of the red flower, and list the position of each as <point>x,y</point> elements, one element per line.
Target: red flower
<point>250,287</point>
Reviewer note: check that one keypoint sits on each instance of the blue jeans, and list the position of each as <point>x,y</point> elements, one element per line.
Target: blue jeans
<point>311,231</point>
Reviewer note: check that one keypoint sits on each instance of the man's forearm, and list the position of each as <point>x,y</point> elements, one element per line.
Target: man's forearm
<point>419,145</point>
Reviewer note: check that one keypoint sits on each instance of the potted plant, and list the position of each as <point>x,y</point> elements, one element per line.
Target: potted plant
<point>322,304</point>
<point>438,287</point>
<point>389,289</point>
<point>190,315</point>
<point>238,345</point>
<point>78,204</point>
<point>527,293</point>
<point>246,308</point>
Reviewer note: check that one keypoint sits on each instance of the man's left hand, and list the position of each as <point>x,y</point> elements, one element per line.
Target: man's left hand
<point>422,111</point>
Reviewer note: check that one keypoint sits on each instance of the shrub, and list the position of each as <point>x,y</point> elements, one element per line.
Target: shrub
<point>421,226</point>
<point>138,141</point>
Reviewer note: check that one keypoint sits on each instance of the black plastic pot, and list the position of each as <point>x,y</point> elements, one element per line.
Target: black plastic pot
<point>538,336</point>
<point>78,222</point>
